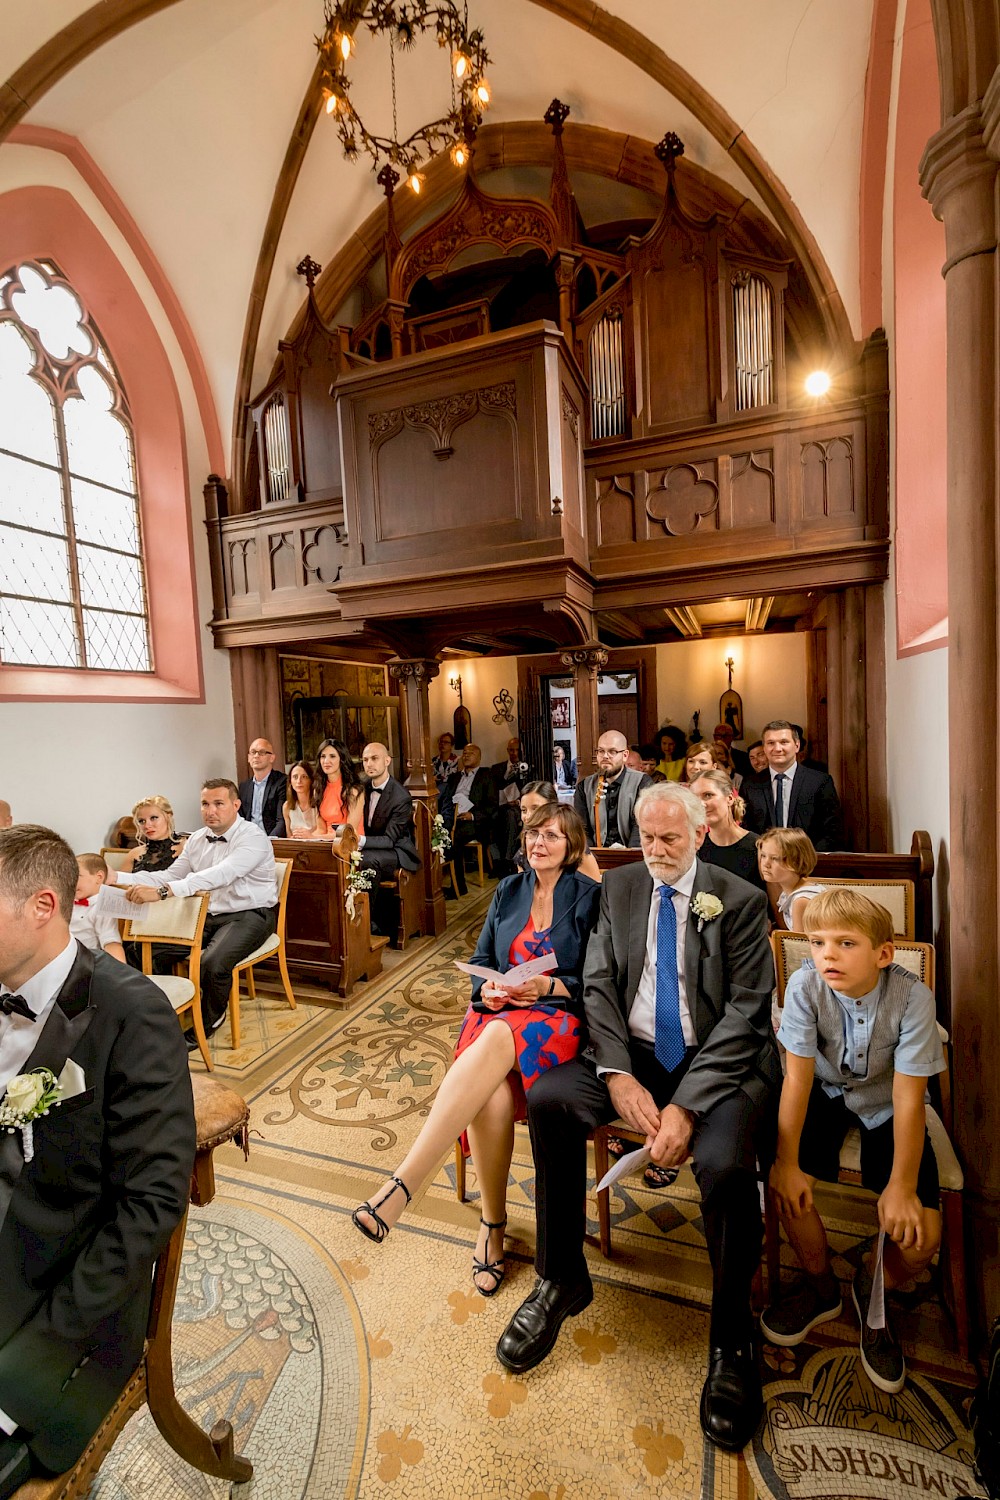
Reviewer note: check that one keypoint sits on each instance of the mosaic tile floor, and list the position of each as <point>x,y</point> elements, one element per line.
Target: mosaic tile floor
<point>356,1370</point>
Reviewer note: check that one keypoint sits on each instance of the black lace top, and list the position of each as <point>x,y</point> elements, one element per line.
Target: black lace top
<point>157,855</point>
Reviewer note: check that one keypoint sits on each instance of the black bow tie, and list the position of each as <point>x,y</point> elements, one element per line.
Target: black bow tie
<point>216,838</point>
<point>16,1005</point>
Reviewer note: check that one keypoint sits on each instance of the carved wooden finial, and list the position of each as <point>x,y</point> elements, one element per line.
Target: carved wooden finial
<point>669,149</point>
<point>556,115</point>
<point>387,180</point>
<point>310,269</point>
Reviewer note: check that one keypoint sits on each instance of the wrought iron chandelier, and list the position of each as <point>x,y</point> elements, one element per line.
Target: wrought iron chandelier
<point>403,22</point>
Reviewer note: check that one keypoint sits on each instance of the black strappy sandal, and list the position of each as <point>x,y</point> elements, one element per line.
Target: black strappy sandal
<point>494,1268</point>
<point>378,1234</point>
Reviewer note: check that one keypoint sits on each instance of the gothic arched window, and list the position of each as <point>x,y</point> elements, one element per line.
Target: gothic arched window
<point>72,578</point>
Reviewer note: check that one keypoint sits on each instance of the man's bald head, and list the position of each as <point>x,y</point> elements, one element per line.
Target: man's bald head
<point>5,818</point>
<point>612,750</point>
<point>376,760</point>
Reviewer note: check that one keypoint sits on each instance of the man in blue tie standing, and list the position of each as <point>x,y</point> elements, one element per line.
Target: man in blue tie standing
<point>677,990</point>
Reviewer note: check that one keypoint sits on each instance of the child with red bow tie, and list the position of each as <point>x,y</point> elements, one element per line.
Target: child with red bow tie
<point>88,925</point>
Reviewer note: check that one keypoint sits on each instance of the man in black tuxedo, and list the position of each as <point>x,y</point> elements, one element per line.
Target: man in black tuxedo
<point>677,993</point>
<point>510,777</point>
<point>82,1221</point>
<point>789,795</point>
<point>389,840</point>
<point>467,800</point>
<point>263,795</point>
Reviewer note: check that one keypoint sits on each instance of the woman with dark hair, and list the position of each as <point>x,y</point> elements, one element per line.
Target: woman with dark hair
<point>672,745</point>
<point>511,1035</point>
<point>337,789</point>
<point>301,809</point>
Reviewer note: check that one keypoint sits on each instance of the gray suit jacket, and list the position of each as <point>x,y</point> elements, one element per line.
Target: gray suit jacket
<point>627,832</point>
<point>729,976</point>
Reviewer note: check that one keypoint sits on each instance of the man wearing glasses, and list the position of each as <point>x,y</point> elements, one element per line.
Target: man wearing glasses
<point>606,801</point>
<point>262,795</point>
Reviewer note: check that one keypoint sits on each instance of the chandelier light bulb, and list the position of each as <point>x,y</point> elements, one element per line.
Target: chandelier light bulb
<point>818,383</point>
<point>415,182</point>
<point>460,154</point>
<point>331,103</point>
<point>483,93</point>
<point>461,64</point>
<point>345,45</point>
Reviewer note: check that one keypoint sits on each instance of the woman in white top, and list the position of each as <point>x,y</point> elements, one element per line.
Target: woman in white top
<point>786,856</point>
<point>302,817</point>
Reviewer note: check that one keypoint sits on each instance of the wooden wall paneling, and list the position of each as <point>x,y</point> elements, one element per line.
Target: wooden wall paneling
<point>853,786</point>
<point>412,679</point>
<point>256,683</point>
<point>875,716</point>
<point>816,693</point>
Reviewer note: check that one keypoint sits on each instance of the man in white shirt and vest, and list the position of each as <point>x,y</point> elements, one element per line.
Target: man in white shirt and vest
<point>233,860</point>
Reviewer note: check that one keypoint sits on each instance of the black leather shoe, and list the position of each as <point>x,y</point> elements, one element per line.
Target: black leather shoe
<point>15,1464</point>
<point>534,1328</point>
<point>731,1400</point>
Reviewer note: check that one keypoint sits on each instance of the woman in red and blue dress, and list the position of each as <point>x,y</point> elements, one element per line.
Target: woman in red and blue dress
<point>509,1036</point>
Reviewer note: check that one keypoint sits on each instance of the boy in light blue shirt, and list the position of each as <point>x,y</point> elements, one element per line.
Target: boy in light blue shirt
<point>861,1040</point>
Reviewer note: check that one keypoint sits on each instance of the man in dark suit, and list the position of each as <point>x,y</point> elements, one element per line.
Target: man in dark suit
<point>677,993</point>
<point>83,1220</point>
<point>389,840</point>
<point>263,795</point>
<point>467,800</point>
<point>509,776</point>
<point>619,787</point>
<point>788,795</point>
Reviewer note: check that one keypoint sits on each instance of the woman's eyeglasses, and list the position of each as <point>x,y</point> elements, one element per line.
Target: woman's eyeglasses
<point>543,838</point>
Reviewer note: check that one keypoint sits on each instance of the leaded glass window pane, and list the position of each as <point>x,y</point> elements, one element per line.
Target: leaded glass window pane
<point>72,579</point>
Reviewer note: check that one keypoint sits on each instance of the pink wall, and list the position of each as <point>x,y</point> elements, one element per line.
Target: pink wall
<point>921,560</point>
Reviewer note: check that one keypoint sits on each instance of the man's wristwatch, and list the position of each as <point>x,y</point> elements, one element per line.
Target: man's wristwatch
<point>164,893</point>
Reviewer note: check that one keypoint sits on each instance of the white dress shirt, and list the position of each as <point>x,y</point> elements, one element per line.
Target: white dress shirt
<point>94,929</point>
<point>373,803</point>
<point>18,1035</point>
<point>239,873</point>
<point>786,791</point>
<point>642,1017</point>
<point>463,800</point>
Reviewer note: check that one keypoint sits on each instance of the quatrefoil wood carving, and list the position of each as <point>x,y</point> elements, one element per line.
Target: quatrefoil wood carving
<point>681,498</point>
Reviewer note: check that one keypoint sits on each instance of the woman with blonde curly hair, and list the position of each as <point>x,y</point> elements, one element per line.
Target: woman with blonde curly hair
<point>159,845</point>
<point>726,843</point>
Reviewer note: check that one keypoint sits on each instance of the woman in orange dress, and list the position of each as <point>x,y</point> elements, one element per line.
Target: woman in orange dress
<point>338,792</point>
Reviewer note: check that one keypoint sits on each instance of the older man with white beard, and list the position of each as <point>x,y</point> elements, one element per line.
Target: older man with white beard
<point>677,992</point>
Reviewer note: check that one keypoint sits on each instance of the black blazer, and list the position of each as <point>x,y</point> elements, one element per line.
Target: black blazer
<point>728,975</point>
<point>813,806</point>
<point>275,793</point>
<point>391,826</point>
<point>82,1223</point>
<point>574,912</point>
<point>483,797</point>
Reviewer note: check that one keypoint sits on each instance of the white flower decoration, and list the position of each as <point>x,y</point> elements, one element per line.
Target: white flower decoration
<point>28,1096</point>
<point>706,908</point>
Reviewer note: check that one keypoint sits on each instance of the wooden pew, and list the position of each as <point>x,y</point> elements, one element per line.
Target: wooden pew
<point>917,866</point>
<point>322,941</point>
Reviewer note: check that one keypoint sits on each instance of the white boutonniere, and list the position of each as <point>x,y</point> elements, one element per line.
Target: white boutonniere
<point>706,908</point>
<point>28,1096</point>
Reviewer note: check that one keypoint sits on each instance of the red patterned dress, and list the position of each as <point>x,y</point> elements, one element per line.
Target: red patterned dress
<point>545,1034</point>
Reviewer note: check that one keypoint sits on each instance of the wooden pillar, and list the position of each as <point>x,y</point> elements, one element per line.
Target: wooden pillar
<point>412,677</point>
<point>855,712</point>
<point>256,678</point>
<point>586,661</point>
<point>959,177</point>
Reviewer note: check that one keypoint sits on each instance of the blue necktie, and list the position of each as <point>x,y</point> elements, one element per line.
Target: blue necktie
<point>669,1046</point>
<point>779,801</point>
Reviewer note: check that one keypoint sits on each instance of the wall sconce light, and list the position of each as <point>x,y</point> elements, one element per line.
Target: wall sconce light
<point>817,384</point>
<point>455,683</point>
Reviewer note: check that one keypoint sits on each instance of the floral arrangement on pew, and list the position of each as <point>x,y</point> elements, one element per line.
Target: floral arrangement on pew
<point>357,880</point>
<point>440,837</point>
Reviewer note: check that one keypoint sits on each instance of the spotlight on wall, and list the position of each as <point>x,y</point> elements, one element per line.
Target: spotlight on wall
<point>818,383</point>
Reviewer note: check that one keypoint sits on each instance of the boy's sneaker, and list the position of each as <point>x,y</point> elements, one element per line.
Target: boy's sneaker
<point>881,1355</point>
<point>789,1321</point>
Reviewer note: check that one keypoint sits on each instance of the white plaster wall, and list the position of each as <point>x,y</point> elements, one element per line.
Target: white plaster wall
<point>769,674</point>
<point>917,685</point>
<point>482,679</point>
<point>77,767</point>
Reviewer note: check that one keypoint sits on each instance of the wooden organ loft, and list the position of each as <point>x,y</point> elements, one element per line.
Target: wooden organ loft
<point>544,436</point>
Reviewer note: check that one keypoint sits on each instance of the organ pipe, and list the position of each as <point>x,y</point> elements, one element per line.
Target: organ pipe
<point>753,342</point>
<point>276,451</point>
<point>607,377</point>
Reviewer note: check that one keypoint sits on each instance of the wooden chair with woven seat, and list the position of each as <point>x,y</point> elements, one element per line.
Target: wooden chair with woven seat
<point>220,1115</point>
<point>272,947</point>
<point>897,896</point>
<point>116,859</point>
<point>181,922</point>
<point>790,949</point>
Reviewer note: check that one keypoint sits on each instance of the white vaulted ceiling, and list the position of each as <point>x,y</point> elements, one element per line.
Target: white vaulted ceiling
<point>189,114</point>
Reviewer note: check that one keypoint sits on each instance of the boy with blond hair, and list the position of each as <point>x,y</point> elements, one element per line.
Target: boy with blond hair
<point>87,924</point>
<point>861,1041</point>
